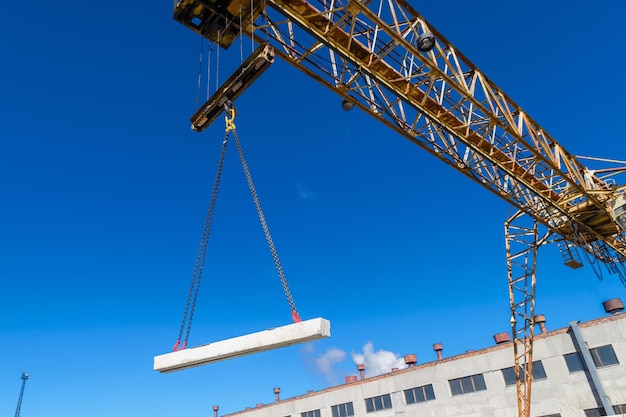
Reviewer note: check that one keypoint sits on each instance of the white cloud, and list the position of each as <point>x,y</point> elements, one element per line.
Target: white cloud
<point>377,362</point>
<point>325,363</point>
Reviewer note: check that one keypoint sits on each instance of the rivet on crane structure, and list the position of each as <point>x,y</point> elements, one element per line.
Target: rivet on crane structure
<point>383,57</point>
<point>297,332</point>
<point>25,376</point>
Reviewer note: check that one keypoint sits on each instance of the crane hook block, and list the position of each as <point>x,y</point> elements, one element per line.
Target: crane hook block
<point>241,79</point>
<point>278,337</point>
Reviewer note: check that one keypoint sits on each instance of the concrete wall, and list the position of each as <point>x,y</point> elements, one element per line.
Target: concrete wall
<point>561,392</point>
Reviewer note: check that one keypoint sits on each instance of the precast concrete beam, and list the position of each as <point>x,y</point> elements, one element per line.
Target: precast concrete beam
<point>278,337</point>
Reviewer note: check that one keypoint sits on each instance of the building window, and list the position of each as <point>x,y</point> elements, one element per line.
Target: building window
<point>574,362</point>
<point>377,403</point>
<point>342,410</point>
<point>595,412</point>
<point>467,384</point>
<point>538,373</point>
<point>604,356</point>
<point>419,394</point>
<point>599,412</point>
<point>312,413</point>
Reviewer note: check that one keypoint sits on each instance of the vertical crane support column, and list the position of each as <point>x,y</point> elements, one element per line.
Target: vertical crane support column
<point>521,258</point>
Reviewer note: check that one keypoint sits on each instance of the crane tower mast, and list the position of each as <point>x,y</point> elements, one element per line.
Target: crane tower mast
<point>383,57</point>
<point>18,409</point>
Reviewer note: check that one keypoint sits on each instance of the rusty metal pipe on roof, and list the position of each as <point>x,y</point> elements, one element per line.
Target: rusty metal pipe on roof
<point>503,337</point>
<point>613,306</point>
<point>540,319</point>
<point>410,360</point>
<point>277,394</point>
<point>350,379</point>
<point>361,368</point>
<point>438,347</point>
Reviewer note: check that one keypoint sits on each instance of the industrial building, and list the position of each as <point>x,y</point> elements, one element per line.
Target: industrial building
<point>578,371</point>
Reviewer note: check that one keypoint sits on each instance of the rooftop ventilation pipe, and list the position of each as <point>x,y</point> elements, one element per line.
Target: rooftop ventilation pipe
<point>277,394</point>
<point>438,347</point>
<point>410,360</point>
<point>215,408</point>
<point>503,337</point>
<point>613,306</point>
<point>350,379</point>
<point>540,319</point>
<point>361,368</point>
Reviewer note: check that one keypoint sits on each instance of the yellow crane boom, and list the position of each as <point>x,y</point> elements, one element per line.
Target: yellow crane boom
<point>383,57</point>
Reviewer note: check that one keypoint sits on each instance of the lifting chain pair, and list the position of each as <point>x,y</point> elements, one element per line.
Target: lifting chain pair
<point>230,113</point>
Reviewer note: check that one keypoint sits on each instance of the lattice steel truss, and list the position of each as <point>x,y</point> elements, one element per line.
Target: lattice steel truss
<point>522,243</point>
<point>367,52</point>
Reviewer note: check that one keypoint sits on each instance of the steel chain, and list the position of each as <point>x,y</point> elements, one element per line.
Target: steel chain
<point>199,266</point>
<point>266,230</point>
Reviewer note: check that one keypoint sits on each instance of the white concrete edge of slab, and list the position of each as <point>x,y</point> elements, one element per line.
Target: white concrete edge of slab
<point>278,337</point>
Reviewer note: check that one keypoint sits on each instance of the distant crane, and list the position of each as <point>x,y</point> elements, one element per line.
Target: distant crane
<point>19,401</point>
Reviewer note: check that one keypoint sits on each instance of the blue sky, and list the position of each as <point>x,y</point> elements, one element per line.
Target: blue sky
<point>104,190</point>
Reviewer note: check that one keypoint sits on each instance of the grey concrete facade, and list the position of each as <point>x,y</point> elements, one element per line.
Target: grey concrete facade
<point>558,391</point>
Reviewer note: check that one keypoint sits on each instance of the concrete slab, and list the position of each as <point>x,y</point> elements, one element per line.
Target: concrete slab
<point>278,337</point>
